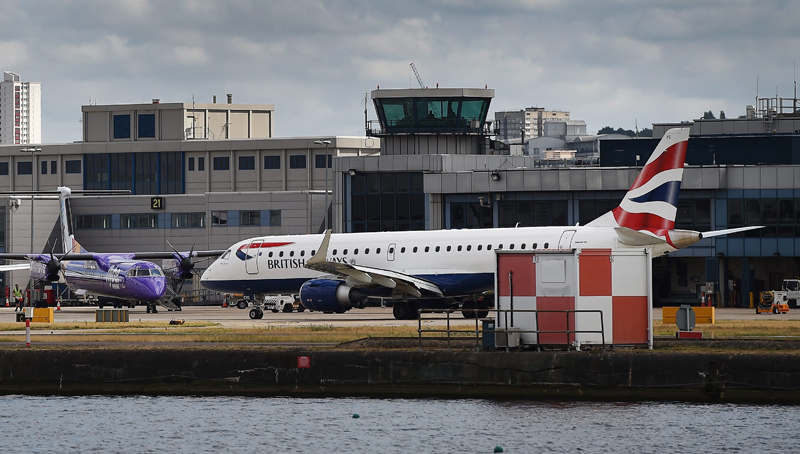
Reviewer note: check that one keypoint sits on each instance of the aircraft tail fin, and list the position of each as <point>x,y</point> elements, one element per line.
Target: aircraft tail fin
<point>71,245</point>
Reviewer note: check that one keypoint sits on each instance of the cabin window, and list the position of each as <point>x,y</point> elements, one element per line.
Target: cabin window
<point>270,253</point>
<point>511,246</point>
<point>427,248</point>
<point>488,247</point>
<point>415,249</point>
<point>522,246</point>
<point>500,246</point>
<point>291,253</point>
<point>403,250</point>
<point>546,245</point>
<point>378,250</point>
<point>280,254</point>
<point>534,245</point>
<point>391,250</point>
<point>459,248</point>
<point>480,247</point>
<point>334,252</point>
<point>344,252</point>
<point>303,253</point>
<point>366,251</point>
<point>437,248</point>
<point>355,251</point>
<point>448,248</point>
<point>313,252</point>
<point>469,247</point>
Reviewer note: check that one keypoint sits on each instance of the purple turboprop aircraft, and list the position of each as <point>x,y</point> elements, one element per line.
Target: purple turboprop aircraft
<point>115,278</point>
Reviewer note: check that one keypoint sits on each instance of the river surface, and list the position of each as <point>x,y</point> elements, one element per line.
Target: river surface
<point>359,425</point>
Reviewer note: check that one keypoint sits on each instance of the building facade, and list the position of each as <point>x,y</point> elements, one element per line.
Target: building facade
<point>20,110</point>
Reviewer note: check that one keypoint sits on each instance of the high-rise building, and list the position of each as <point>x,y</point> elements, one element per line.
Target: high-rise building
<point>20,110</point>
<point>510,124</point>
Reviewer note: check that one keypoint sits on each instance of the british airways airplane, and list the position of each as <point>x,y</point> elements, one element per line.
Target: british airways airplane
<point>118,278</point>
<point>336,272</point>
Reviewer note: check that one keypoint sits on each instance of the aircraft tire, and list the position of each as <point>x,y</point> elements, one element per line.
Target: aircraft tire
<point>400,310</point>
<point>241,304</point>
<point>468,309</point>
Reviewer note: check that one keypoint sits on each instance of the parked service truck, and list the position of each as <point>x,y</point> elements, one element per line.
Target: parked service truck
<point>792,289</point>
<point>274,303</point>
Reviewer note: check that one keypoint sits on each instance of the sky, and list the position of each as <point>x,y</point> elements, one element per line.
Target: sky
<point>618,63</point>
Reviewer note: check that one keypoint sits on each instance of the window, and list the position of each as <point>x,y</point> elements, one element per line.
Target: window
<point>72,166</point>
<point>297,161</point>
<point>247,162</point>
<point>24,168</point>
<point>249,217</point>
<point>138,221</point>
<point>319,161</point>
<point>122,126</point>
<point>219,218</point>
<point>54,167</point>
<point>44,167</point>
<point>3,168</point>
<point>147,126</point>
<point>272,162</point>
<point>274,218</point>
<point>386,202</point>
<point>222,163</point>
<point>188,220</point>
<point>92,221</point>
<point>191,164</point>
<point>201,164</point>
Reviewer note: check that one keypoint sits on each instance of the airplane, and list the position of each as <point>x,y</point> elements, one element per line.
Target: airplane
<point>116,278</point>
<point>337,272</point>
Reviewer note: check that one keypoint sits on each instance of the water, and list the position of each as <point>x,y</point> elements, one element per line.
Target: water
<point>244,425</point>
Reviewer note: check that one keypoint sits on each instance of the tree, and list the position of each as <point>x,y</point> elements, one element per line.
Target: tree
<point>646,132</point>
<point>721,114</point>
<point>709,115</point>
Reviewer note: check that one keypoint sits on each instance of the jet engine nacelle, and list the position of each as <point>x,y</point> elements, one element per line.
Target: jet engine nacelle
<point>329,295</point>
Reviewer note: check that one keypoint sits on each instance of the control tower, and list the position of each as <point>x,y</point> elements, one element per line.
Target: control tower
<point>432,121</point>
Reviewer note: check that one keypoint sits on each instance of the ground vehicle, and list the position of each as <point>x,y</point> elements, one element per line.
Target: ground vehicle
<point>274,303</point>
<point>792,289</point>
<point>775,301</point>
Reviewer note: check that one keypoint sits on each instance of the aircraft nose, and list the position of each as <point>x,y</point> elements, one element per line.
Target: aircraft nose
<point>154,288</point>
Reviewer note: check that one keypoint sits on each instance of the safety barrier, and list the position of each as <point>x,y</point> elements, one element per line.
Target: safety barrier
<point>111,315</point>
<point>702,314</point>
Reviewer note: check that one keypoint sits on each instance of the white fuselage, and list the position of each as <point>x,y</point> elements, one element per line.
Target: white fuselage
<point>458,261</point>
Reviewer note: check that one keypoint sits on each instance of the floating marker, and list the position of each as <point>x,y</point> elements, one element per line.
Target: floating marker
<point>356,416</point>
<point>498,448</point>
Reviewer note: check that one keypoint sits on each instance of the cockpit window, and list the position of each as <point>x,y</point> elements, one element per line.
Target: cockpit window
<point>226,255</point>
<point>156,272</point>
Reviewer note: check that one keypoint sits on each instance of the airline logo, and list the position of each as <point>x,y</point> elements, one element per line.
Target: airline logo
<point>250,250</point>
<point>651,203</point>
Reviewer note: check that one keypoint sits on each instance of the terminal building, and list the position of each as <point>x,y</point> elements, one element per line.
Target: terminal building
<point>208,175</point>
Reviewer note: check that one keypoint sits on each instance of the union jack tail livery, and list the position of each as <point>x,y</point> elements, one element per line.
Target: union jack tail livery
<point>651,203</point>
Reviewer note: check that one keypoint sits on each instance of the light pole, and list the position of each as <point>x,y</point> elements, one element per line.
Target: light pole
<point>32,151</point>
<point>326,142</point>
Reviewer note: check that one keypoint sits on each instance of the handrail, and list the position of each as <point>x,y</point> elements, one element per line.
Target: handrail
<point>567,331</point>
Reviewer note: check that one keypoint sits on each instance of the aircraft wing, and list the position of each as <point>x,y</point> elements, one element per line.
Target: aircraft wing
<point>16,266</point>
<point>370,276</point>
<point>171,255</point>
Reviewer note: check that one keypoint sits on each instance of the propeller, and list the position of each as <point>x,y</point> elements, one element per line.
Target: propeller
<point>185,264</point>
<point>53,266</point>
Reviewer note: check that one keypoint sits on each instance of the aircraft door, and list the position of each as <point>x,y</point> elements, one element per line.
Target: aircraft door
<point>251,257</point>
<point>390,252</point>
<point>565,242</point>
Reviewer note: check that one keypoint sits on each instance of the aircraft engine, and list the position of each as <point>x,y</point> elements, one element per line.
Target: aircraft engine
<point>328,295</point>
<point>52,270</point>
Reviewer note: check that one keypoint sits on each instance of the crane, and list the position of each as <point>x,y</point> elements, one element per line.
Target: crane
<point>419,79</point>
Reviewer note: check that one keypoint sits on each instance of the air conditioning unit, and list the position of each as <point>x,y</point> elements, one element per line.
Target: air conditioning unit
<point>506,338</point>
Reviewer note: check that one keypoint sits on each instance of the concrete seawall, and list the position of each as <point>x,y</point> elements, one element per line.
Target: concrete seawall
<point>235,370</point>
